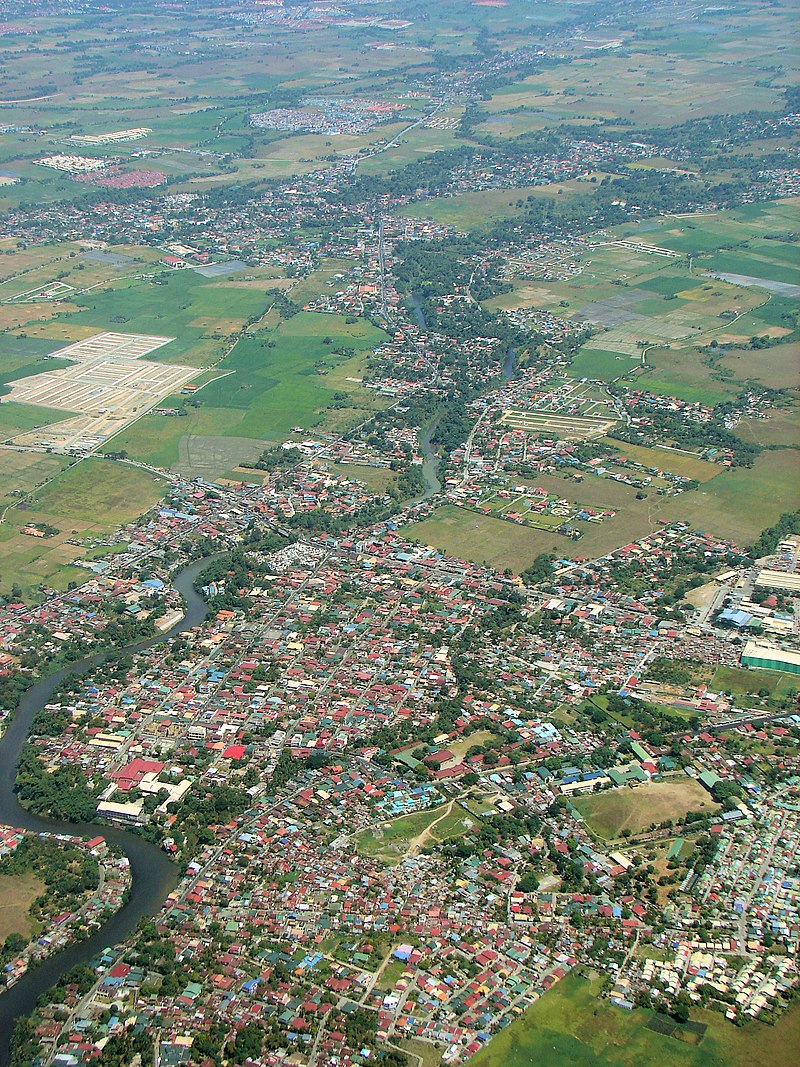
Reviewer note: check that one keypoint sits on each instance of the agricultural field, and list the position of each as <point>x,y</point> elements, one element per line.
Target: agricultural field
<point>22,472</point>
<point>467,211</point>
<point>635,298</point>
<point>740,503</point>
<point>92,496</point>
<point>635,809</point>
<point>570,1024</point>
<point>286,375</point>
<point>702,73</point>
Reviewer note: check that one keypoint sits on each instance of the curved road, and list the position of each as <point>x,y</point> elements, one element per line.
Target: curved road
<point>154,876</point>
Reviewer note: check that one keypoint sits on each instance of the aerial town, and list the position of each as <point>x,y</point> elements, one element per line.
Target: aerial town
<point>400,536</point>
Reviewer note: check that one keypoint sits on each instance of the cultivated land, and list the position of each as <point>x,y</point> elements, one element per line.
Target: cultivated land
<point>636,809</point>
<point>570,1025</point>
<point>91,497</point>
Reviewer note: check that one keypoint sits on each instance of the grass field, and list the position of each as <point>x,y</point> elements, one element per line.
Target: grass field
<point>111,493</point>
<point>198,312</point>
<point>570,1025</point>
<point>21,472</point>
<point>609,813</point>
<point>775,367</point>
<point>467,211</point>
<point>92,496</point>
<point>391,841</point>
<point>782,428</point>
<point>602,365</point>
<point>739,681</point>
<point>742,502</point>
<point>458,532</point>
<point>667,459</point>
<point>17,893</point>
<point>17,418</point>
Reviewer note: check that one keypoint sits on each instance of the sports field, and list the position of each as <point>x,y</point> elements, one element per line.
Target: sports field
<point>635,809</point>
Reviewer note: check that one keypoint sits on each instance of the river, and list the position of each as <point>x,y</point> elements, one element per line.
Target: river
<point>430,461</point>
<point>154,876</point>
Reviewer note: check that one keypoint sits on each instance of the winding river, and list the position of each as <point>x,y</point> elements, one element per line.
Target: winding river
<point>154,876</point>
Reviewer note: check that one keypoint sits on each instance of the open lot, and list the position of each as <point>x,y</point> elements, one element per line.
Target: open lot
<point>635,809</point>
<point>739,681</point>
<point>466,211</point>
<point>17,893</point>
<point>391,841</point>
<point>776,367</point>
<point>742,502</point>
<point>22,472</point>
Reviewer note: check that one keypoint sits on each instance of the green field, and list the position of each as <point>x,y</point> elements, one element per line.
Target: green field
<point>458,532</point>
<point>635,809</point>
<point>199,313</point>
<point>604,366</point>
<point>391,841</point>
<point>742,502</point>
<point>739,681</point>
<point>21,472</point>
<point>283,376</point>
<point>91,497</point>
<point>16,418</point>
<point>467,211</point>
<point>570,1025</point>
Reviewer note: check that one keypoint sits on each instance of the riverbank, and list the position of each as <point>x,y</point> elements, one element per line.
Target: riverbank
<point>153,875</point>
